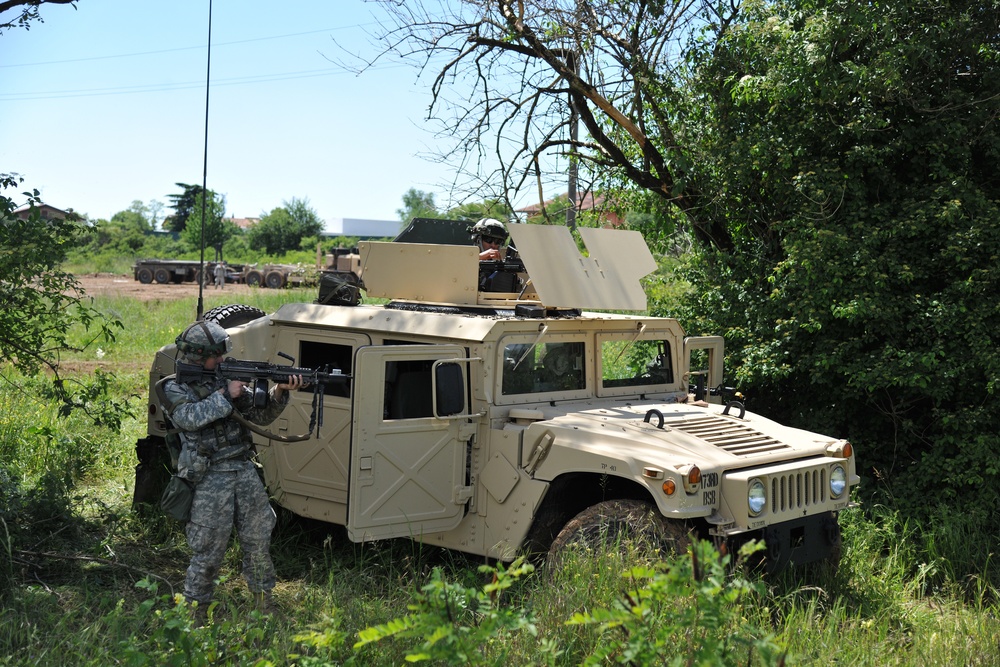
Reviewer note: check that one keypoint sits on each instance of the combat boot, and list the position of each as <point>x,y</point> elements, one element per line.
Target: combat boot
<point>199,614</point>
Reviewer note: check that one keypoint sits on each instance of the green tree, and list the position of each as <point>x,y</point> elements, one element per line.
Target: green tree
<point>155,208</point>
<point>852,148</point>
<point>40,302</point>
<point>217,230</point>
<point>284,227</point>
<point>417,204</point>
<point>835,162</point>
<point>183,204</point>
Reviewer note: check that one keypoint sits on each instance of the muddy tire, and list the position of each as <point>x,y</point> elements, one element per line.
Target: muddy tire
<point>144,275</point>
<point>162,276</point>
<point>233,315</point>
<point>254,278</point>
<point>611,523</point>
<point>274,279</point>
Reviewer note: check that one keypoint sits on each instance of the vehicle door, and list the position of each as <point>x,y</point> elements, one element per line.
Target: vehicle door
<point>408,466</point>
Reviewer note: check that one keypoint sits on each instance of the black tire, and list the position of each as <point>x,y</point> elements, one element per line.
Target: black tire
<point>274,279</point>
<point>144,275</point>
<point>233,315</point>
<point>162,276</point>
<point>254,278</point>
<point>614,522</point>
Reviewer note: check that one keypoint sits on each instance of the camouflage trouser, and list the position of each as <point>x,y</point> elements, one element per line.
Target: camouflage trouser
<point>222,498</point>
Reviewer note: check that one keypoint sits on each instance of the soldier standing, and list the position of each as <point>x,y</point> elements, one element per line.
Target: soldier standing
<point>216,452</point>
<point>220,275</point>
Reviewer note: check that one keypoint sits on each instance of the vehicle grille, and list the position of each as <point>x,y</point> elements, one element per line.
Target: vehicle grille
<point>735,438</point>
<point>798,490</point>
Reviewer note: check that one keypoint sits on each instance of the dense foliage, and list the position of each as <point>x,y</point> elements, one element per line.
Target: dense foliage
<point>215,230</point>
<point>851,151</point>
<point>184,204</point>
<point>284,227</point>
<point>39,301</point>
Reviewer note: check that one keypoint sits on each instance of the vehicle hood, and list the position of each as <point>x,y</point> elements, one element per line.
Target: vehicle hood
<point>689,434</point>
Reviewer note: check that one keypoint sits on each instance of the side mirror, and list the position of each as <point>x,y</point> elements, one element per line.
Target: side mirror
<point>450,395</point>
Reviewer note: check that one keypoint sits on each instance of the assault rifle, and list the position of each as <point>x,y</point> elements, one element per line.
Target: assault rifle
<point>259,374</point>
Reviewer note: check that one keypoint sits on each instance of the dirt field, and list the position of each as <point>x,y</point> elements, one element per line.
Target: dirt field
<point>125,285</point>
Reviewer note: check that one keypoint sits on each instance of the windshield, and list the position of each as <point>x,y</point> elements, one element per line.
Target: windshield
<point>532,369</point>
<point>640,363</point>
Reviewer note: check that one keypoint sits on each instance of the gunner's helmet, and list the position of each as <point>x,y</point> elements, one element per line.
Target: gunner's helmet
<point>489,229</point>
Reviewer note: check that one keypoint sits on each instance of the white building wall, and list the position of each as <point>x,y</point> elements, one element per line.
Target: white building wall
<point>361,227</point>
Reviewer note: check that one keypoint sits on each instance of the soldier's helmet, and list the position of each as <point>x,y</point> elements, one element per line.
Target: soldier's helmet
<point>201,341</point>
<point>489,229</point>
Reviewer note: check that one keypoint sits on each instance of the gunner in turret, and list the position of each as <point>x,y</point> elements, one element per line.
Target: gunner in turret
<point>499,264</point>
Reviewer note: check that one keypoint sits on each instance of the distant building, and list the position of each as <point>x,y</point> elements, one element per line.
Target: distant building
<point>361,228</point>
<point>585,202</point>
<point>242,223</point>
<point>45,211</point>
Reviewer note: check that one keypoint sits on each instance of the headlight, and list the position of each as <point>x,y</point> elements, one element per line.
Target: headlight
<point>838,481</point>
<point>756,497</point>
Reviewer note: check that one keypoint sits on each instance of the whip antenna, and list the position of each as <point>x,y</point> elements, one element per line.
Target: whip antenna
<point>204,173</point>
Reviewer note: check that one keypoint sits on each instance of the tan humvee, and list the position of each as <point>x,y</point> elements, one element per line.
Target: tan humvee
<point>492,422</point>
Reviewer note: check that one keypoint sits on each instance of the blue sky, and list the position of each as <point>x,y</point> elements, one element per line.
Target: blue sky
<point>105,104</point>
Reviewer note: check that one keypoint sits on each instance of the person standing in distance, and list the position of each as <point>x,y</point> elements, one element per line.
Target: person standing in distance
<point>216,453</point>
<point>220,275</point>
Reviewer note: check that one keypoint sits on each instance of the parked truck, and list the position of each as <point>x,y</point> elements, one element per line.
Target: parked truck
<point>164,271</point>
<point>498,423</point>
<point>274,276</point>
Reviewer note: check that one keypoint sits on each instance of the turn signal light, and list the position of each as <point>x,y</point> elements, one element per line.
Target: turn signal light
<point>692,477</point>
<point>840,449</point>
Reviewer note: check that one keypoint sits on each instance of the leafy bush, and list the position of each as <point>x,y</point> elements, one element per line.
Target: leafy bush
<point>687,612</point>
<point>452,623</point>
<point>856,281</point>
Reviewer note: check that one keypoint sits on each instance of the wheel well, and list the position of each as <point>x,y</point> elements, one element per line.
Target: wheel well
<point>570,494</point>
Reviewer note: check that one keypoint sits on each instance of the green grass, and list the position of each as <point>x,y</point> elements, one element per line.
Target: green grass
<point>153,324</point>
<point>87,580</point>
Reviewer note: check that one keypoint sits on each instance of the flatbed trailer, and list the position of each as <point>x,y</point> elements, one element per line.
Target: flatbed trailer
<point>164,271</point>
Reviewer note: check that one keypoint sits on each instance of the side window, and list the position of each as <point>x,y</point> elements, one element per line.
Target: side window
<point>327,357</point>
<point>532,369</point>
<point>625,363</point>
<point>408,389</point>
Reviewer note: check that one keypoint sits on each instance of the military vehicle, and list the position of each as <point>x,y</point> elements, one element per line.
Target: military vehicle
<point>496,422</point>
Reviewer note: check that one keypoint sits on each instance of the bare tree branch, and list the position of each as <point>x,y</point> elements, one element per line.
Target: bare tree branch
<point>29,11</point>
<point>507,72</point>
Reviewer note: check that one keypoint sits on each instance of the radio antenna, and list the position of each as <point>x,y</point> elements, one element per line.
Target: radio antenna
<point>204,173</point>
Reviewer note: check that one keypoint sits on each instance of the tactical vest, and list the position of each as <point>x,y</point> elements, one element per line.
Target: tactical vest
<point>222,440</point>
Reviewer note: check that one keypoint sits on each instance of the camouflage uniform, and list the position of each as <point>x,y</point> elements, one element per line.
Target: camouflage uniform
<point>215,456</point>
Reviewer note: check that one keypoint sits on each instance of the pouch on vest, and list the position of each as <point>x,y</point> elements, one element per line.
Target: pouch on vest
<point>177,498</point>
<point>172,436</point>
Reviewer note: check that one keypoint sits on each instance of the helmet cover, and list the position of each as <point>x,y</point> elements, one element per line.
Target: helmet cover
<point>489,228</point>
<point>203,340</point>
